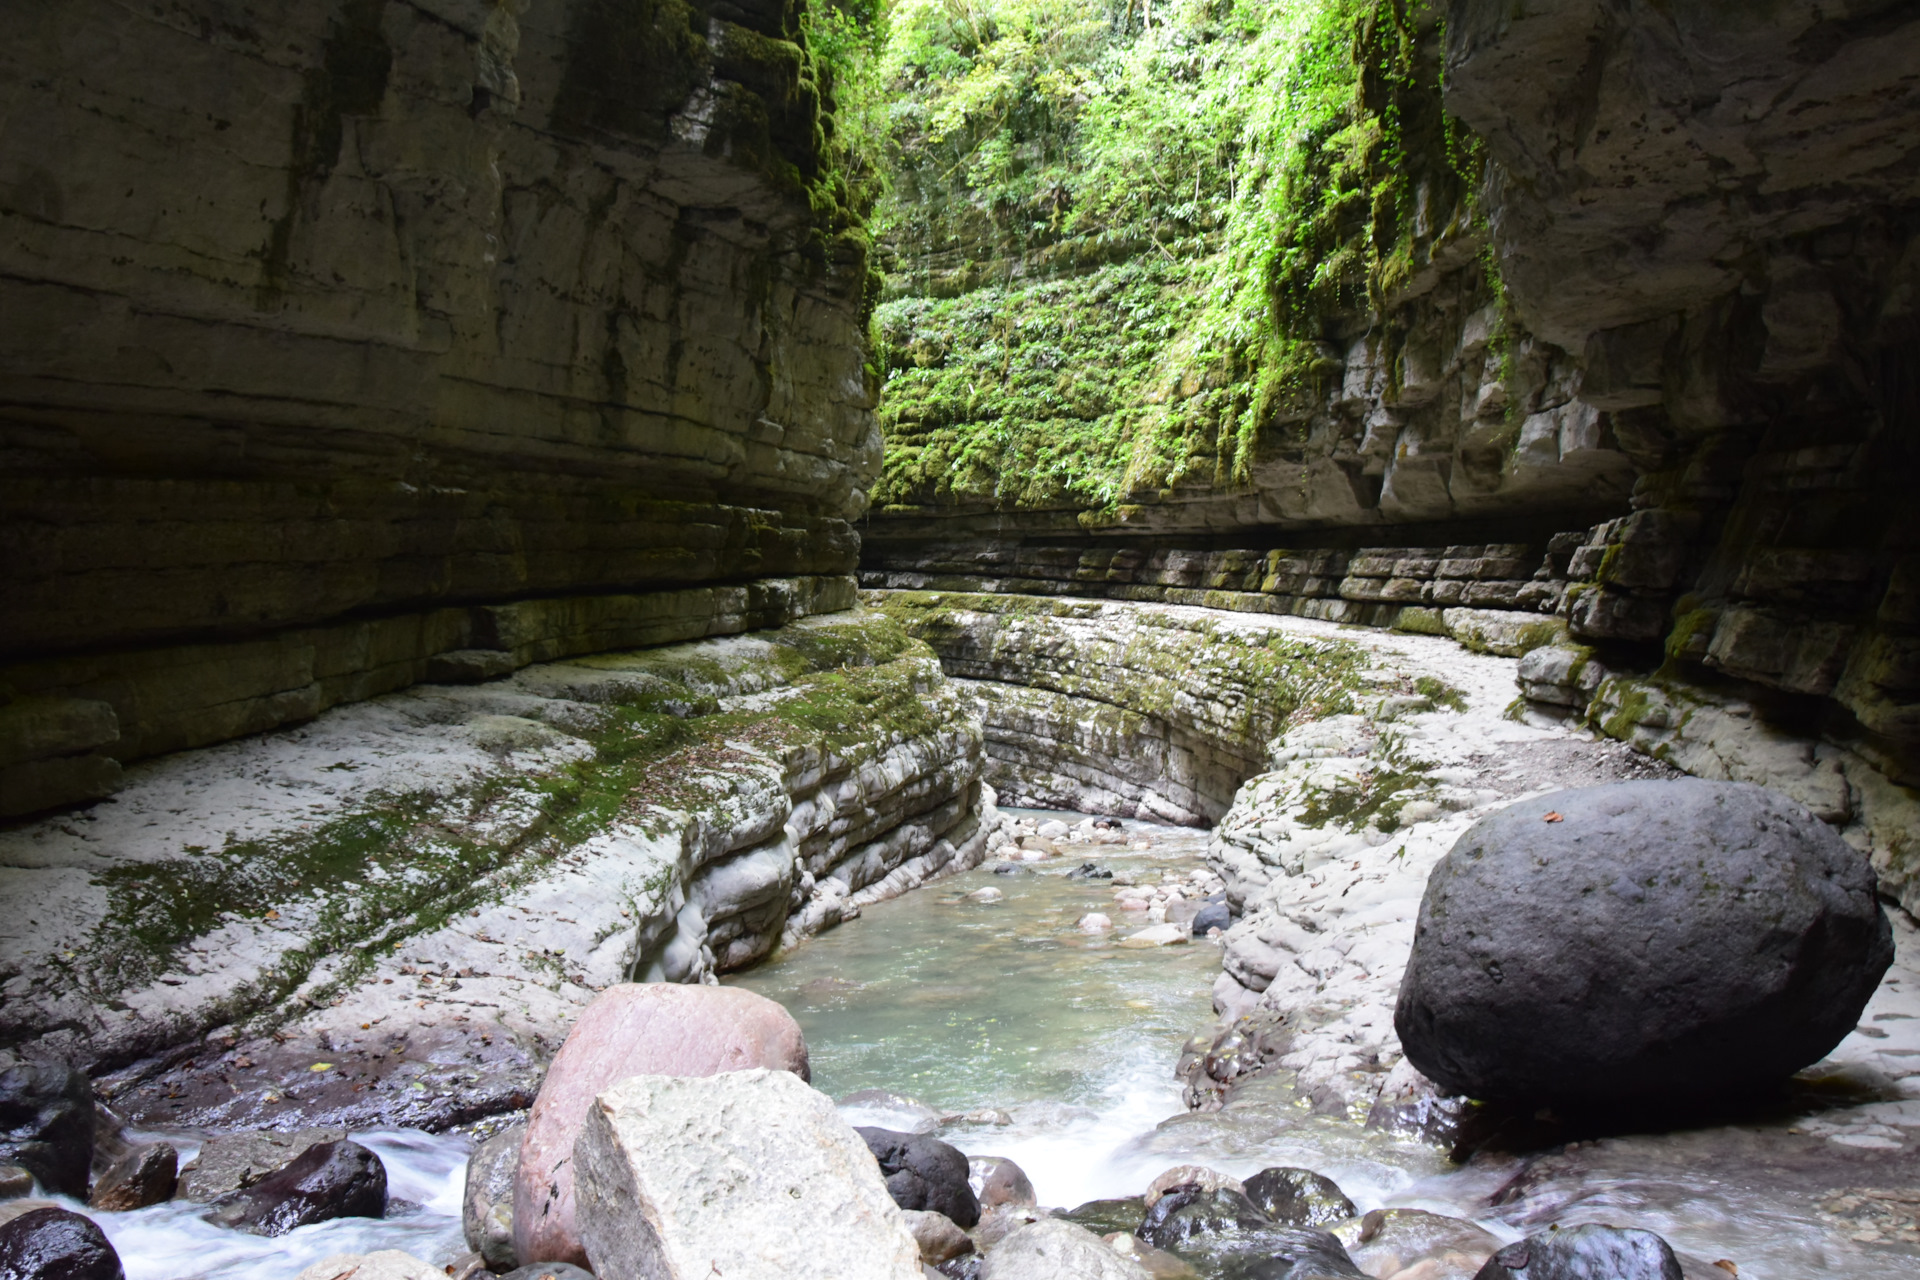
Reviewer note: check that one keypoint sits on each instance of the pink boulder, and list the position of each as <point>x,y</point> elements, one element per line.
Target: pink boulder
<point>634,1029</point>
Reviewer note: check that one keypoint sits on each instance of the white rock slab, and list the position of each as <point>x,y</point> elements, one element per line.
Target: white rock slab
<point>751,1175</point>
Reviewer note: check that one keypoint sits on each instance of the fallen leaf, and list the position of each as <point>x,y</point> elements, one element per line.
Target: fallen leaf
<point>271,915</point>
<point>321,1066</point>
<point>1554,817</point>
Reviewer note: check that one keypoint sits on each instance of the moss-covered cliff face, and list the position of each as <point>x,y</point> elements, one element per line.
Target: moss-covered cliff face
<point>1621,290</point>
<point>1205,267</point>
<point>328,323</point>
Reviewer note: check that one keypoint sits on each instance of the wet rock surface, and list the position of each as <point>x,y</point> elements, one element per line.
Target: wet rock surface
<point>56,1244</point>
<point>1640,940</point>
<point>145,1174</point>
<point>47,1124</point>
<point>1298,1197</point>
<point>326,1181</point>
<point>1056,1250</point>
<point>1583,1251</point>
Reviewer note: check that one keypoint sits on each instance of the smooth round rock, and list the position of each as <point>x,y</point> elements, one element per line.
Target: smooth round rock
<point>486,1206</point>
<point>1640,941</point>
<point>923,1173</point>
<point>56,1244</point>
<point>633,1029</point>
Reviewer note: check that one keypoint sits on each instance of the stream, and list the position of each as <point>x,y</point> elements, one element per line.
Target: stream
<point>1062,1044</point>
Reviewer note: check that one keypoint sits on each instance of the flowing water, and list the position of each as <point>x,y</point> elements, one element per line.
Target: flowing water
<point>968,1006</point>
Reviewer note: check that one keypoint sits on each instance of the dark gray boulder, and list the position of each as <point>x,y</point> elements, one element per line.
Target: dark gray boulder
<point>1299,1197</point>
<point>1640,941</point>
<point>46,1124</point>
<point>924,1173</point>
<point>1591,1252</point>
<point>56,1244</point>
<point>326,1181</point>
<point>1226,1236</point>
<point>1214,915</point>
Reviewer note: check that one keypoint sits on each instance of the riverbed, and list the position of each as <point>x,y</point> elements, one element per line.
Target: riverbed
<point>1007,1030</point>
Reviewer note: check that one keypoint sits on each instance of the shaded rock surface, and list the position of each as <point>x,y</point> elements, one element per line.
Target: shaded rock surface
<point>925,1173</point>
<point>56,1244</point>
<point>750,1172</point>
<point>232,1161</point>
<point>1386,1242</point>
<point>1640,940</point>
<point>634,1029</point>
<point>47,1124</point>
<point>326,1181</point>
<point>479,449</point>
<point>146,1174</point>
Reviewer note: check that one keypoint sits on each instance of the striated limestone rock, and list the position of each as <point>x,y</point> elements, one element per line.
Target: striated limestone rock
<point>579,824</point>
<point>335,326</point>
<point>750,1173</point>
<point>1139,710</point>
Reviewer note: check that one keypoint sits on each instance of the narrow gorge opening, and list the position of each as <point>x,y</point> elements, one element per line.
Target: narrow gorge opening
<point>1289,624</point>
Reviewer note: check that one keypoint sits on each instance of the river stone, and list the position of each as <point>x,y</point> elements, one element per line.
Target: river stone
<point>939,1237</point>
<point>145,1175</point>
<point>748,1174</point>
<point>14,1182</point>
<point>234,1161</point>
<point>549,1271</point>
<point>1298,1197</point>
<point>1054,1250</point>
<point>1386,1242</point>
<point>1158,1263</point>
<point>486,1208</point>
<point>46,1124</point>
<point>1585,1253</point>
<point>924,1173</point>
<point>997,1180</point>
<point>633,1029</point>
<point>1214,915</point>
<point>56,1244</point>
<point>326,1181</point>
<point>1189,1175</point>
<point>1225,1235</point>
<point>384,1264</point>
<point>1658,939</point>
<point>1104,1217</point>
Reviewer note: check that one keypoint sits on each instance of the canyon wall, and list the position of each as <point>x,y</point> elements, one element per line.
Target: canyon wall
<point>359,343</point>
<point>1649,389</point>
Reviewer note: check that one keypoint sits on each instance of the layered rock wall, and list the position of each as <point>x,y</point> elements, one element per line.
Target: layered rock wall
<point>473,863</point>
<point>1138,711</point>
<point>334,328</point>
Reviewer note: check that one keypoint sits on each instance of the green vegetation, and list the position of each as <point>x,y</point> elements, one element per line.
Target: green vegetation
<point>1117,239</point>
<point>395,866</point>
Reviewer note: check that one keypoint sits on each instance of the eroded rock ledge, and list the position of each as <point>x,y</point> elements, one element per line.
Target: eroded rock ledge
<point>423,889</point>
